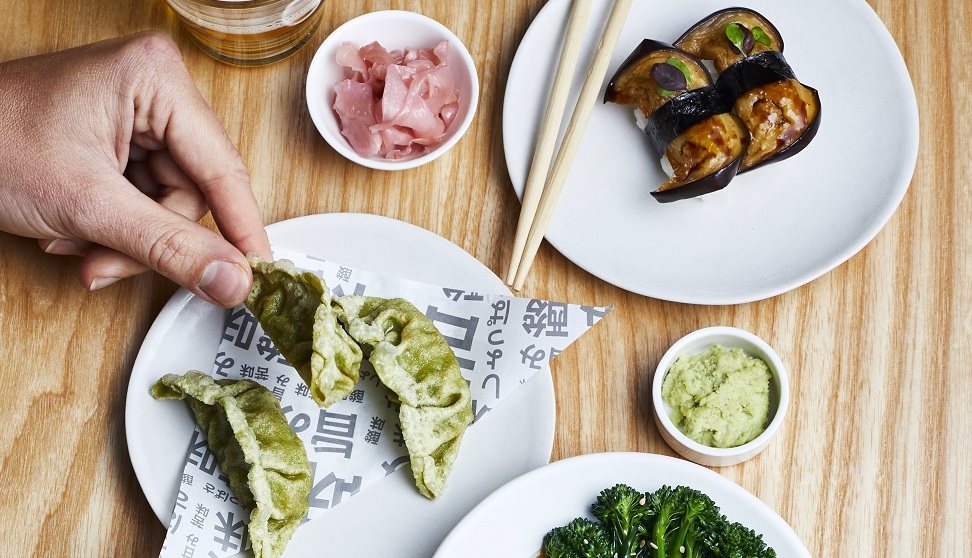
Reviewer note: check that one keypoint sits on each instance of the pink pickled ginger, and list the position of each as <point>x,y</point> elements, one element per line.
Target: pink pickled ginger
<point>395,104</point>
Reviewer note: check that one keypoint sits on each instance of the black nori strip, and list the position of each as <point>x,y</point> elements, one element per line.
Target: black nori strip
<point>756,71</point>
<point>750,73</point>
<point>678,114</point>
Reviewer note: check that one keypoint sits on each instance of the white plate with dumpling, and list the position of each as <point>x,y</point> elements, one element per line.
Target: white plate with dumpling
<point>517,437</point>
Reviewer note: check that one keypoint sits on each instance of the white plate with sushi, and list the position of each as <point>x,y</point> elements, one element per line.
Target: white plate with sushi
<point>187,331</point>
<point>772,229</point>
<point>513,521</point>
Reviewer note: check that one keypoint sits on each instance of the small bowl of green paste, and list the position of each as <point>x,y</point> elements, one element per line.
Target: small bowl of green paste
<point>720,395</point>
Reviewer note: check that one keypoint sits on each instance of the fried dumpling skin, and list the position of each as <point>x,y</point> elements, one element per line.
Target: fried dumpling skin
<point>295,310</point>
<point>264,460</point>
<point>415,362</point>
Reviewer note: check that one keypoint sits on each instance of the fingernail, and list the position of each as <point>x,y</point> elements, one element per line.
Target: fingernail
<point>102,282</point>
<point>223,282</point>
<point>62,248</point>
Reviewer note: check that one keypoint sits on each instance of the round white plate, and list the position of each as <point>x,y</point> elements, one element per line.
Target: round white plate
<point>185,336</point>
<point>770,230</point>
<point>512,522</point>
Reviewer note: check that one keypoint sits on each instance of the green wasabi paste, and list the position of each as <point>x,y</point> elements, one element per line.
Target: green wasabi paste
<point>719,398</point>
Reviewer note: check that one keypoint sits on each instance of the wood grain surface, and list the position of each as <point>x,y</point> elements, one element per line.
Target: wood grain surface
<point>874,458</point>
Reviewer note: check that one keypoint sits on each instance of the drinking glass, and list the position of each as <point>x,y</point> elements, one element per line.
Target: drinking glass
<point>249,32</point>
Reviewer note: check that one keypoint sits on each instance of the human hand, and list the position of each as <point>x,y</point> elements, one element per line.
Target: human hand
<point>108,152</point>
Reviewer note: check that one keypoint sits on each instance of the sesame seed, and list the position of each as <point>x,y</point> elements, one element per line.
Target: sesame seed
<point>653,545</point>
<point>681,550</point>
<point>586,542</point>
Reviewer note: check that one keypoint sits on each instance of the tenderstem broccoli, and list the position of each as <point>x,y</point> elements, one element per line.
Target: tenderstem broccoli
<point>678,522</point>
<point>581,538</point>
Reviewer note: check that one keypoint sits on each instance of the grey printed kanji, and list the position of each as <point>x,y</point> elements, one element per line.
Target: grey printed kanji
<point>492,357</point>
<point>594,313</point>
<point>533,356</point>
<point>268,351</point>
<point>222,363</point>
<point>239,327</point>
<point>302,390</point>
<point>478,411</point>
<point>556,319</point>
<point>229,531</point>
<point>339,488</point>
<point>199,516</point>
<point>199,454</point>
<point>496,384</point>
<point>467,325</point>
<point>453,294</point>
<point>394,465</point>
<point>299,422</point>
<point>359,290</point>
<point>501,313</point>
<point>335,432</point>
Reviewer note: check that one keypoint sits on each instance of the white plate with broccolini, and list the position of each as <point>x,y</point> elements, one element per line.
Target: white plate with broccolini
<point>514,521</point>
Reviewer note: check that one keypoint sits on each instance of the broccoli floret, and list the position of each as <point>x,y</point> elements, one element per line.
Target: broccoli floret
<point>683,518</point>
<point>696,515</point>
<point>624,512</point>
<point>733,540</point>
<point>663,504</point>
<point>581,538</point>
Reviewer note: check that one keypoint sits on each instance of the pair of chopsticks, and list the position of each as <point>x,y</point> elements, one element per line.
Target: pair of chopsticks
<point>545,181</point>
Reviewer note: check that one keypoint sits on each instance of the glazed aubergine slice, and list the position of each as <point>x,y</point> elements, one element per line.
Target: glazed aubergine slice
<point>699,145</point>
<point>729,35</point>
<point>653,74</point>
<point>781,114</point>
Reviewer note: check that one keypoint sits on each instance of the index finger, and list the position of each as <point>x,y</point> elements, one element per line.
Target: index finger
<point>200,146</point>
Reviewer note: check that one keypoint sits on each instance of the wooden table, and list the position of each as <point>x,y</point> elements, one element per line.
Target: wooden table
<point>874,457</point>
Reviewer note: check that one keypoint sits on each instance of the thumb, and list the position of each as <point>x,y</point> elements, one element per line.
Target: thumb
<point>182,250</point>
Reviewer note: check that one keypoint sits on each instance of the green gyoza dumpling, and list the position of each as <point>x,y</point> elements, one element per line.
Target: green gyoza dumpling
<point>264,460</point>
<point>294,309</point>
<point>414,361</point>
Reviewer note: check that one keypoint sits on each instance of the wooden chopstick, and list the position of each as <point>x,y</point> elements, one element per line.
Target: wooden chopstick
<point>572,139</point>
<point>550,127</point>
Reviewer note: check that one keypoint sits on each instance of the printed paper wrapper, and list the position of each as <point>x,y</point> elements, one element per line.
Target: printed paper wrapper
<point>500,342</point>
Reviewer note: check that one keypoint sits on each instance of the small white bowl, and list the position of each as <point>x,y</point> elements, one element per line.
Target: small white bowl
<point>394,30</point>
<point>730,338</point>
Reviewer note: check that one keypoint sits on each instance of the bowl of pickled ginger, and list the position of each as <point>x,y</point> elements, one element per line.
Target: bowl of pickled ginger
<point>392,90</point>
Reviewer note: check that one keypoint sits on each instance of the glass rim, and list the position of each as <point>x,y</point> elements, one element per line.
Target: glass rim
<point>238,4</point>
